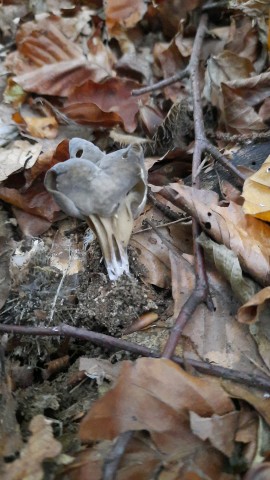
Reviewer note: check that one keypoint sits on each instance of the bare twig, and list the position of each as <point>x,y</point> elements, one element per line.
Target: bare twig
<point>201,291</point>
<point>258,381</point>
<point>163,208</point>
<point>192,71</point>
<point>163,225</point>
<point>164,240</point>
<point>115,456</point>
<point>163,83</point>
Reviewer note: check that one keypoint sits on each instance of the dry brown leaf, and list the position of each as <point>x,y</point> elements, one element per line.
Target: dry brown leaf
<point>123,13</point>
<point>47,62</point>
<point>221,69</point>
<point>183,280</point>
<point>155,395</point>
<point>259,400</point>
<point>140,461</point>
<point>41,446</point>
<point>154,256</point>
<point>238,115</point>
<point>104,104</point>
<point>254,89</point>
<point>243,37</point>
<point>169,59</point>
<point>171,13</point>
<point>251,310</point>
<point>248,237</point>
<point>36,201</point>
<point>220,430</point>
<point>30,225</point>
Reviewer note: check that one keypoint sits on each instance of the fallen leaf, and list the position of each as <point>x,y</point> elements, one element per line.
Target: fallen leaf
<point>154,256</point>
<point>47,62</point>
<point>20,155</point>
<point>123,14</point>
<point>42,127</point>
<point>259,400</point>
<point>251,310</point>
<point>256,192</point>
<point>154,395</point>
<point>220,430</point>
<point>99,369</point>
<point>223,68</point>
<point>248,237</point>
<point>252,90</point>
<point>104,104</point>
<point>14,93</point>
<point>36,200</point>
<point>67,254</point>
<point>41,446</point>
<point>243,37</point>
<point>256,314</point>
<point>228,265</point>
<point>140,461</point>
<point>238,115</point>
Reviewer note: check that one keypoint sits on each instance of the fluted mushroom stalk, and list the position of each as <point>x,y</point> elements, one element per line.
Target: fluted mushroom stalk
<point>108,191</point>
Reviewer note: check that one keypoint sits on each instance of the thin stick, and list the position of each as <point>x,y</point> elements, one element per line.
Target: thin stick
<point>115,456</point>
<point>258,381</point>
<point>201,291</point>
<point>162,84</point>
<point>163,225</point>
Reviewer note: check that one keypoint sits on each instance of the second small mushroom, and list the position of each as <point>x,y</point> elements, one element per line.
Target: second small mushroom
<point>108,191</point>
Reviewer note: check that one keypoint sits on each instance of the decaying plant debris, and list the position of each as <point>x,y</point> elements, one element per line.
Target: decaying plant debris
<point>138,347</point>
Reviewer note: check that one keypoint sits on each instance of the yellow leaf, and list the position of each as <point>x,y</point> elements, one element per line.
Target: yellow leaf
<point>256,193</point>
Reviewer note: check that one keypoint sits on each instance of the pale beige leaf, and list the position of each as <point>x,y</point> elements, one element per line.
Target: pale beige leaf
<point>228,265</point>
<point>21,154</point>
<point>41,446</point>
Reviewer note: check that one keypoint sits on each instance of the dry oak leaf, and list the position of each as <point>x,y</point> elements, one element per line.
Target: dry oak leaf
<point>123,13</point>
<point>238,115</point>
<point>47,62</point>
<point>41,445</point>
<point>104,104</point>
<point>256,192</point>
<point>155,395</point>
<point>36,200</point>
<point>246,236</point>
<point>39,127</point>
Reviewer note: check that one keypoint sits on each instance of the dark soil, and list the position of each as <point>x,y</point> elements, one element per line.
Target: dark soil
<point>88,300</point>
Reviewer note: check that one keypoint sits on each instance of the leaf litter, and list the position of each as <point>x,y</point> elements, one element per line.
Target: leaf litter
<point>74,408</point>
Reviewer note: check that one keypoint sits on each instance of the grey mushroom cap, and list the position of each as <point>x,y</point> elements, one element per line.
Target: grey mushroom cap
<point>108,191</point>
<point>79,148</point>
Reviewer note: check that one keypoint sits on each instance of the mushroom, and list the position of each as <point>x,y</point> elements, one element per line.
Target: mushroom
<point>108,191</point>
